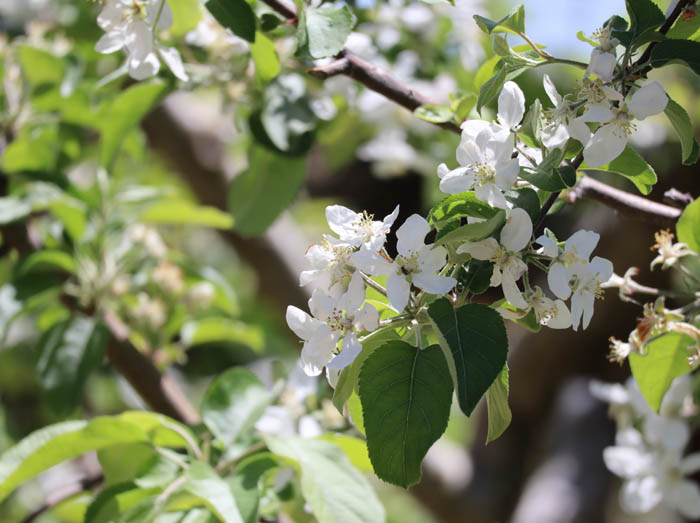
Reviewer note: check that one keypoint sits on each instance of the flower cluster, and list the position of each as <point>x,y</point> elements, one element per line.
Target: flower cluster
<point>347,263</point>
<point>131,25</point>
<point>648,450</point>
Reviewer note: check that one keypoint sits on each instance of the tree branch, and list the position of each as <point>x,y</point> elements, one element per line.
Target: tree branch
<point>384,83</point>
<point>663,30</point>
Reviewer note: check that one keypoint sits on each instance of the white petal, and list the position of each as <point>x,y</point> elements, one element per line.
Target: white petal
<point>142,69</point>
<point>350,348</point>
<point>554,137</point>
<point>602,65</point>
<point>433,283</point>
<point>549,246</point>
<point>481,250</point>
<point>368,318</point>
<point>640,495</point>
<point>517,231</point>
<point>389,220</point>
<point>562,318</point>
<point>172,59</point>
<point>398,290</point>
<point>432,259</point>
<point>602,269</point>
<point>558,281</point>
<point>691,463</point>
<point>318,351</point>
<point>579,130</point>
<point>110,42</point>
<point>585,300</point>
<point>685,496</point>
<point>668,433</point>
<point>507,174</point>
<point>301,323</point>
<point>551,90</point>
<point>648,100</point>
<point>354,297</point>
<point>165,21</point>
<point>627,462</point>
<point>342,221</point>
<point>371,263</point>
<point>512,292</point>
<point>411,235</point>
<point>469,151</point>
<point>472,128</point>
<point>607,143</point>
<point>457,181</point>
<point>321,305</point>
<point>442,170</point>
<point>582,243</point>
<point>511,105</point>
<point>596,113</point>
<point>492,195</point>
<point>139,39</point>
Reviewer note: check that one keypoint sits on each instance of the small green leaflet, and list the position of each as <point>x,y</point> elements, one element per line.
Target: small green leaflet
<point>684,128</point>
<point>322,31</point>
<point>474,231</point>
<point>665,359</point>
<point>497,404</point>
<point>688,226</point>
<point>513,22</point>
<point>406,395</point>
<point>183,212</point>
<point>633,167</point>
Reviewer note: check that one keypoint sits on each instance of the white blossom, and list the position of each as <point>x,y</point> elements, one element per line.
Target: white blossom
<point>668,252</point>
<point>416,264</point>
<point>563,122</point>
<point>508,264</point>
<point>332,320</point>
<point>359,229</point>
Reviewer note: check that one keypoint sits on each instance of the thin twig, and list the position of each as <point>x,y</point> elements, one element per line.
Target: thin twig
<point>663,30</point>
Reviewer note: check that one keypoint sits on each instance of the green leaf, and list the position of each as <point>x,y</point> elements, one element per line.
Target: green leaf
<point>476,338</point>
<point>287,117</point>
<point>48,259</point>
<point>124,113</point>
<point>13,209</point>
<point>474,231</point>
<point>645,16</point>
<point>212,330</point>
<point>406,395</point>
<point>490,89</point>
<point>267,64</point>
<point>34,150</point>
<point>527,200</point>
<point>475,276</point>
<point>498,409</point>
<point>244,483</point>
<point>347,381</point>
<point>684,128</point>
<point>459,206</point>
<point>259,195</point>
<point>71,215</point>
<point>434,113</point>
<point>114,502</point>
<point>40,67</point>
<point>327,27</point>
<point>463,106</point>
<point>513,22</point>
<point>332,487</point>
<point>51,445</point>
<point>665,359</point>
<point>120,463</point>
<point>582,36</point>
<point>69,352</point>
<point>186,15</point>
<point>354,448</point>
<point>676,51</point>
<point>233,403</point>
<point>183,212</point>
<point>531,129</point>
<point>688,226</point>
<point>236,15</point>
<point>633,167</point>
<point>203,482</point>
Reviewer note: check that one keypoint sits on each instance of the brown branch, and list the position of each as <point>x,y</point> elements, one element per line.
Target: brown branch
<point>663,30</point>
<point>62,494</point>
<point>625,203</point>
<point>160,392</point>
<point>286,9</point>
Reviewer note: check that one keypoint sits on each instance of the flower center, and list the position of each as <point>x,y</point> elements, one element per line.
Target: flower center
<point>408,264</point>
<point>484,172</point>
<point>338,321</point>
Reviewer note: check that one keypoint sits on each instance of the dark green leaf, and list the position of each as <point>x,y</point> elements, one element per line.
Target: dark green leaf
<point>116,500</point>
<point>684,128</point>
<point>645,16</point>
<point>476,337</point>
<point>124,113</point>
<point>475,276</point>
<point>235,15</point>
<point>120,463</point>
<point>69,352</point>
<point>333,488</point>
<point>490,89</point>
<point>688,226</point>
<point>472,232</point>
<point>676,51</point>
<point>665,359</point>
<point>497,404</point>
<point>406,395</point>
<point>567,174</point>
<point>259,195</point>
<point>633,167</point>
<point>513,22</point>
<point>459,206</point>
<point>204,483</point>
<point>527,200</point>
<point>233,403</point>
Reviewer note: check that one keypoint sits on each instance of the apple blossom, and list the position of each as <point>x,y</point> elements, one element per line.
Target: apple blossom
<point>508,264</point>
<point>669,252</point>
<point>562,120</point>
<point>359,229</point>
